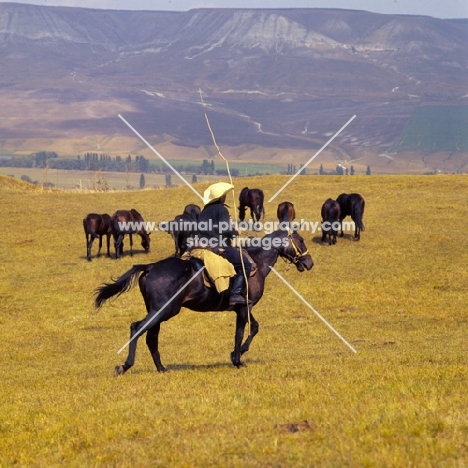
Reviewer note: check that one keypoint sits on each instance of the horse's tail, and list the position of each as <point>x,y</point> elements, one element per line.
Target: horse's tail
<point>358,209</point>
<point>333,213</point>
<point>119,286</point>
<point>88,229</point>
<point>261,206</point>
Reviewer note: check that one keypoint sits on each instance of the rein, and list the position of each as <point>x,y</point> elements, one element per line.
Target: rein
<point>298,253</point>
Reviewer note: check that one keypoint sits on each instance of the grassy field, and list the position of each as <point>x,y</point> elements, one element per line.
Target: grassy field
<point>398,296</point>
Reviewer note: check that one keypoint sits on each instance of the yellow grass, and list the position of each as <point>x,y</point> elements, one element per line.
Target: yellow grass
<point>398,296</point>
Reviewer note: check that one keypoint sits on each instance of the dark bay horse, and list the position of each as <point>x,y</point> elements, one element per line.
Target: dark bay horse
<point>170,284</point>
<point>128,222</point>
<point>330,220</point>
<point>253,199</point>
<point>286,213</point>
<point>95,227</point>
<point>182,227</point>
<point>352,205</point>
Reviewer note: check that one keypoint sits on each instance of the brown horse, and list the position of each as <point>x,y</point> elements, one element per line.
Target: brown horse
<point>95,227</point>
<point>128,222</point>
<point>253,199</point>
<point>182,227</point>
<point>330,220</point>
<point>286,213</point>
<point>173,283</point>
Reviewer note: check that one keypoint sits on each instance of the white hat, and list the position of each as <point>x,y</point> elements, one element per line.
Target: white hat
<point>216,191</point>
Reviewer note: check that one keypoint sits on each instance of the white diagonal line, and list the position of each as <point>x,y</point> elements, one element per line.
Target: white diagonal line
<point>312,158</point>
<point>313,310</point>
<point>159,311</point>
<point>159,155</point>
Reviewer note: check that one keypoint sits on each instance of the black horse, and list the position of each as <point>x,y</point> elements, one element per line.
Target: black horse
<point>95,227</point>
<point>173,283</point>
<point>253,199</point>
<point>128,222</point>
<point>182,227</point>
<point>330,215</point>
<point>352,205</point>
<point>286,213</point>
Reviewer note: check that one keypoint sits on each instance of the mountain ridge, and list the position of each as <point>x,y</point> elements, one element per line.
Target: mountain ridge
<point>278,78</point>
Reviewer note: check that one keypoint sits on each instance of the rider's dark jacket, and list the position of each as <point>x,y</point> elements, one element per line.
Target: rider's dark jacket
<point>218,223</point>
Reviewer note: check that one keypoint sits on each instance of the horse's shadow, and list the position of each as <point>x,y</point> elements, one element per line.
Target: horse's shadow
<point>318,239</point>
<point>113,256</point>
<point>188,367</point>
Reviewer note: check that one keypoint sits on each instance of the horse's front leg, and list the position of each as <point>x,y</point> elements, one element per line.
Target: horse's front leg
<point>341,225</point>
<point>253,331</point>
<point>238,337</point>
<point>131,245</point>
<point>152,339</point>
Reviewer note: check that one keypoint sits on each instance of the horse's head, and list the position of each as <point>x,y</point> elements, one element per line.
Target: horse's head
<point>145,242</point>
<point>294,249</point>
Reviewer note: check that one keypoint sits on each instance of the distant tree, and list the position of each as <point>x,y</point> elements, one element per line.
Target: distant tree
<point>339,169</point>
<point>351,170</point>
<point>368,171</point>
<point>347,171</point>
<point>303,169</point>
<point>142,181</point>
<point>168,180</point>
<point>321,171</point>
<point>194,178</point>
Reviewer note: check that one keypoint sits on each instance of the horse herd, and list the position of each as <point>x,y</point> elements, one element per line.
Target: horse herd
<point>124,222</point>
<point>172,283</point>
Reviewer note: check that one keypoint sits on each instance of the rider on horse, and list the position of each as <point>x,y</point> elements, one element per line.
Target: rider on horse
<point>218,232</point>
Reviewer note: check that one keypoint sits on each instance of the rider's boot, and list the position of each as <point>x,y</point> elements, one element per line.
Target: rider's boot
<point>237,290</point>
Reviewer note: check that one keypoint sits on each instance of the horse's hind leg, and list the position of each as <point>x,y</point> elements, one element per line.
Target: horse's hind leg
<point>100,247</point>
<point>131,245</point>
<point>89,244</point>
<point>253,331</point>
<point>135,328</point>
<point>108,245</point>
<point>152,337</point>
<point>240,327</point>
<point>118,245</point>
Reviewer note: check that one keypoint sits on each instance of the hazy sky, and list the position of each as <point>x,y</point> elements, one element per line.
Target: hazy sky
<point>437,8</point>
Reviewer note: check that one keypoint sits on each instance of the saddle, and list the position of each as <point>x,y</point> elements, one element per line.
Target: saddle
<point>218,271</point>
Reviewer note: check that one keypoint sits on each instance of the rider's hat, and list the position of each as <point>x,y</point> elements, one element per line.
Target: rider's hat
<point>216,191</point>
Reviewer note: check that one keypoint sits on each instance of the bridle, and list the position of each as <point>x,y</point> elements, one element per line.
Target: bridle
<point>298,254</point>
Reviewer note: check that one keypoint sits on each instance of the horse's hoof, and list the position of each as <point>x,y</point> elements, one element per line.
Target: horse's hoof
<point>236,362</point>
<point>119,370</point>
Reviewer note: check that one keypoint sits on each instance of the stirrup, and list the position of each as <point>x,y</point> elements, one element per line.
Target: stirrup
<point>237,298</point>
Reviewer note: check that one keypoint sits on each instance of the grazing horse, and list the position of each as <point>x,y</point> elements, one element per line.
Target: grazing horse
<point>173,283</point>
<point>286,213</point>
<point>330,216</point>
<point>128,222</point>
<point>182,227</point>
<point>253,199</point>
<point>95,227</point>
<point>352,205</point>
